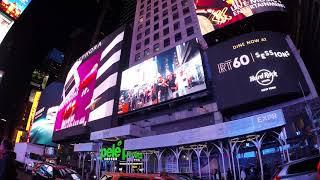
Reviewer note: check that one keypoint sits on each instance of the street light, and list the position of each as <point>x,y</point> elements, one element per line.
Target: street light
<point>4,120</point>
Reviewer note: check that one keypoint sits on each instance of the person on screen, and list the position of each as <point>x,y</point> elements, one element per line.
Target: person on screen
<point>182,83</point>
<point>172,85</point>
<point>42,129</point>
<point>163,89</point>
<point>154,94</point>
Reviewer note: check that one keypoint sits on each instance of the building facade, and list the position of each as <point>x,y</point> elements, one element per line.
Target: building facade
<point>160,26</point>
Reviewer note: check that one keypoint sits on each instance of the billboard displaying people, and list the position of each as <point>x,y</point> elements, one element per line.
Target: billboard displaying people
<point>42,127</point>
<point>13,8</point>
<point>169,75</point>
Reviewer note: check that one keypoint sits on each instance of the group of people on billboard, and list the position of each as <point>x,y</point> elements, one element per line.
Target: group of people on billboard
<point>162,78</point>
<point>13,8</point>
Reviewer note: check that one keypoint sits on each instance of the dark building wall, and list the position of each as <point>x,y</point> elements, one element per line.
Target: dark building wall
<point>305,32</point>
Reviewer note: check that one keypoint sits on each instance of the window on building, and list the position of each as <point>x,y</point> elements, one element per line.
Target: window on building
<point>146,52</point>
<point>146,41</point>
<point>187,20</point>
<point>141,12</point>
<point>148,14</point>
<point>156,26</point>
<point>175,16</point>
<point>139,27</point>
<point>155,3</point>
<point>138,46</point>
<point>138,57</point>
<point>185,11</point>
<point>148,8</point>
<point>173,1</point>
<point>164,13</point>
<point>176,26</point>
<point>156,36</point>
<point>190,31</point>
<point>174,7</point>
<point>147,22</point>
<point>177,37</point>
<point>165,21</point>
<point>141,19</point>
<point>139,36</point>
<point>149,1</point>
<point>147,32</point>
<point>156,47</point>
<point>166,42</point>
<point>166,31</point>
<point>142,6</point>
<point>156,10</point>
<point>164,5</point>
<point>184,2</point>
<point>156,18</point>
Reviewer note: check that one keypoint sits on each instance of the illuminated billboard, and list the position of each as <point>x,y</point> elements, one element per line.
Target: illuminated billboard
<point>169,75</point>
<point>45,116</point>
<point>90,87</point>
<point>13,8</point>
<point>255,69</point>
<point>5,25</point>
<point>215,14</point>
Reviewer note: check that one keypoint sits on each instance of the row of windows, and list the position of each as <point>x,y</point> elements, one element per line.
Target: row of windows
<point>156,3</point>
<point>176,26</point>
<point>166,43</point>
<point>164,14</point>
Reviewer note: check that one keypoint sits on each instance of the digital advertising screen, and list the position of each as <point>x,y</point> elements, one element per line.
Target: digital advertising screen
<point>13,8</point>
<point>5,25</point>
<point>215,14</point>
<point>255,69</point>
<point>169,75</point>
<point>45,116</point>
<point>90,87</point>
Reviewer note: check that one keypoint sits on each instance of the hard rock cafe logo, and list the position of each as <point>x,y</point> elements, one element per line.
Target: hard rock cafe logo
<point>219,16</point>
<point>264,77</point>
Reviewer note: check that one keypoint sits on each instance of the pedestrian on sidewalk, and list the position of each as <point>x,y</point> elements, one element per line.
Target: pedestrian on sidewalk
<point>7,161</point>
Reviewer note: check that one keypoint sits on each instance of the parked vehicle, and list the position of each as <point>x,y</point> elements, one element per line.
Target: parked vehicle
<point>139,176</point>
<point>51,171</point>
<point>305,169</point>
<point>28,155</point>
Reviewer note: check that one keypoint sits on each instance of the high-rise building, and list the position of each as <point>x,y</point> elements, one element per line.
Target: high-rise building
<point>160,26</point>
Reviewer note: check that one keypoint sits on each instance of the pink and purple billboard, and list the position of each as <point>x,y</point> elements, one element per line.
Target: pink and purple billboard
<point>76,107</point>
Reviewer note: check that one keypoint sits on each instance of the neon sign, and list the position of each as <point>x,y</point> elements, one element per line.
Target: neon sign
<point>117,152</point>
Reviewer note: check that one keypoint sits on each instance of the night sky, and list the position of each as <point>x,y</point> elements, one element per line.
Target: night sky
<point>43,25</point>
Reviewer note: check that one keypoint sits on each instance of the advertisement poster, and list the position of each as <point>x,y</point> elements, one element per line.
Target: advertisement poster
<point>215,14</point>
<point>42,126</point>
<point>170,75</point>
<point>13,8</point>
<point>90,89</point>
<point>75,109</point>
<point>5,25</point>
<point>255,67</point>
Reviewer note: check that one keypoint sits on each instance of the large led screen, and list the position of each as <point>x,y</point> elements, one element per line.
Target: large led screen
<point>5,25</point>
<point>256,68</point>
<point>14,8</point>
<point>91,86</point>
<point>43,123</point>
<point>215,14</point>
<point>170,75</point>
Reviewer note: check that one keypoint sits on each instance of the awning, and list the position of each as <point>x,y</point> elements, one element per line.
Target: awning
<point>234,128</point>
<point>126,131</point>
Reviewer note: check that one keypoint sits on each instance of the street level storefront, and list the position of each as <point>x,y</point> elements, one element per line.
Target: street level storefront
<point>214,149</point>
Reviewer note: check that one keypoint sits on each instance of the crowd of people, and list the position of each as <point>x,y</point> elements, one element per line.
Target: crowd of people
<point>166,87</point>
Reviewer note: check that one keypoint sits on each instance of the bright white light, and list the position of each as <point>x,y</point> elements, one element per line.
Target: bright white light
<point>3,120</point>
